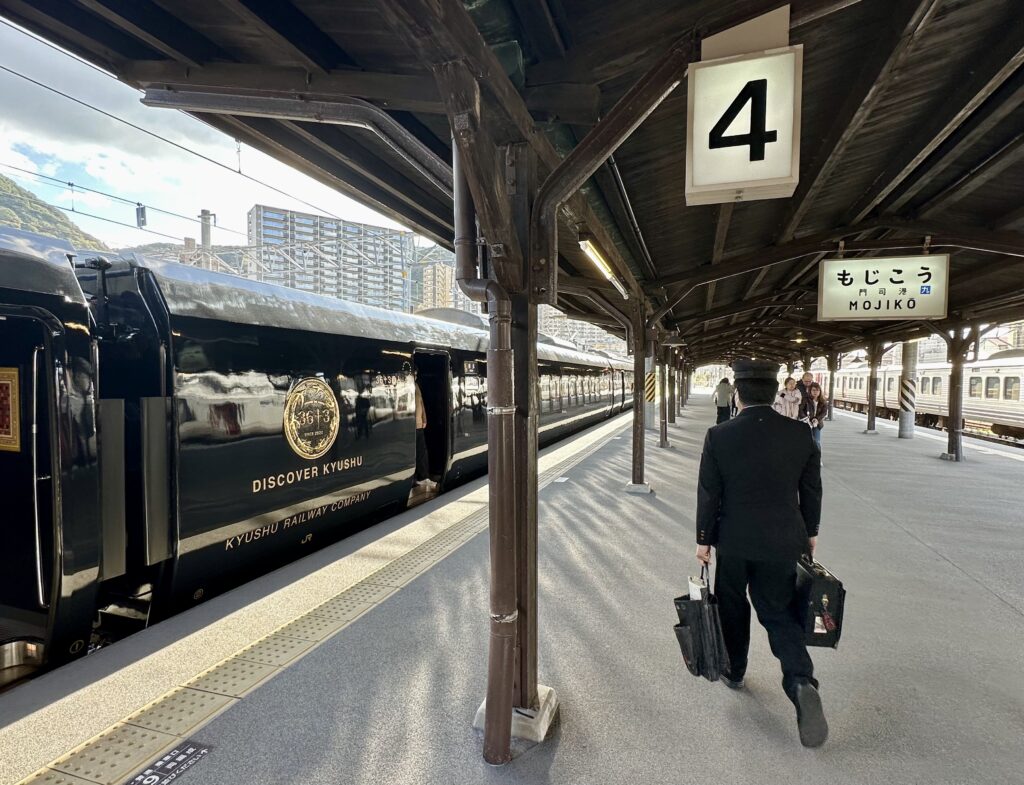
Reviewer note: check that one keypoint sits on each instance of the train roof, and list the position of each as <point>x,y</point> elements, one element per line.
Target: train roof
<point>35,263</point>
<point>203,294</point>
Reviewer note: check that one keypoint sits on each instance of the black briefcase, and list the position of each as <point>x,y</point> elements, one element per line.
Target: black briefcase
<point>821,596</point>
<point>699,634</point>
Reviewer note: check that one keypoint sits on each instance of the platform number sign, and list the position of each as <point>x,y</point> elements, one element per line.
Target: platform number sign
<point>743,127</point>
<point>754,92</point>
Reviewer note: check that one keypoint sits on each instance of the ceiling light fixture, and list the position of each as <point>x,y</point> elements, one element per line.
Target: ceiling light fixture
<point>595,256</point>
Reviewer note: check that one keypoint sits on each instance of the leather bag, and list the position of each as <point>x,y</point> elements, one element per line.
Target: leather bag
<point>699,634</point>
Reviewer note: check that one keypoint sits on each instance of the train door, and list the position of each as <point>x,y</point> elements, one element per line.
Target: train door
<point>26,466</point>
<point>434,379</point>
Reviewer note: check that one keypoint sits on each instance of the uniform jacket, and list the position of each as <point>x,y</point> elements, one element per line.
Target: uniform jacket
<point>759,489</point>
<point>787,403</point>
<point>811,411</point>
<point>723,393</point>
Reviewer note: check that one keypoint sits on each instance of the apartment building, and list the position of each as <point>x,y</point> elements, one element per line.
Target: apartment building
<point>337,258</point>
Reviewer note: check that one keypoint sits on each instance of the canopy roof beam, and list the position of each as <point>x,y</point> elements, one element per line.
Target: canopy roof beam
<point>284,23</point>
<point>151,24</point>
<point>895,40</point>
<point>1005,56</point>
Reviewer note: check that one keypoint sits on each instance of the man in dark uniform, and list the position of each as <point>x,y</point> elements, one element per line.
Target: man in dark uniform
<point>759,504</point>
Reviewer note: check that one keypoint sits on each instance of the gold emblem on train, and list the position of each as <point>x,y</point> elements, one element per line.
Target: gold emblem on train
<point>311,418</point>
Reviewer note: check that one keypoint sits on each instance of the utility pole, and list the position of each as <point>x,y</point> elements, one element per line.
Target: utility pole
<point>205,239</point>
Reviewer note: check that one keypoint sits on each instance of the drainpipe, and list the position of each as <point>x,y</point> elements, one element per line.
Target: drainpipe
<point>500,469</point>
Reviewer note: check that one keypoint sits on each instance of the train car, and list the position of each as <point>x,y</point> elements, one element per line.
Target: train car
<point>172,432</point>
<point>992,393</point>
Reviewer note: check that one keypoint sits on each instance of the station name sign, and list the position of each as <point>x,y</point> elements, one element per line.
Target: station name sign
<point>883,289</point>
<point>743,127</point>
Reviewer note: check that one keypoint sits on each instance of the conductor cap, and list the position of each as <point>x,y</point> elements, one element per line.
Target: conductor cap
<point>755,369</point>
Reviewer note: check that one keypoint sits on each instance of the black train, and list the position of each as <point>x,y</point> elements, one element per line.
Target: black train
<point>188,430</point>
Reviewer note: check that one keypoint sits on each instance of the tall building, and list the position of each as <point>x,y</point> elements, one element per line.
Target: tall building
<point>433,281</point>
<point>315,253</point>
<point>591,337</point>
<point>437,285</point>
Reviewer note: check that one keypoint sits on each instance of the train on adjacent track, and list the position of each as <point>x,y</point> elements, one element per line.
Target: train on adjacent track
<point>167,433</point>
<point>991,390</point>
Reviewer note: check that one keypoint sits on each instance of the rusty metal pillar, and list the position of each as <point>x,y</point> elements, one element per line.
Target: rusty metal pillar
<point>496,712</point>
<point>957,348</point>
<point>636,483</point>
<point>874,359</point>
<point>500,469</point>
<point>670,369</point>
<point>520,168</point>
<point>833,368</point>
<point>662,398</point>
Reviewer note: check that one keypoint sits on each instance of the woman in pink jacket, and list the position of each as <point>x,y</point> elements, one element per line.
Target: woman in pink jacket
<point>788,401</point>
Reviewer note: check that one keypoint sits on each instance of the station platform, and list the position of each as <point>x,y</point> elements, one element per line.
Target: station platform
<point>365,662</point>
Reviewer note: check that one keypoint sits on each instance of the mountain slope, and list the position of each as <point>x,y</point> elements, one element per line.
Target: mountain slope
<point>24,210</point>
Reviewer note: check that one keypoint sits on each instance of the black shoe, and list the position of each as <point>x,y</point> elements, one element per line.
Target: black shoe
<point>810,718</point>
<point>732,684</point>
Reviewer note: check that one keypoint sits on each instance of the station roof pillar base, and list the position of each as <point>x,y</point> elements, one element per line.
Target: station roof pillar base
<point>528,725</point>
<point>638,487</point>
<point>870,432</point>
<point>948,456</point>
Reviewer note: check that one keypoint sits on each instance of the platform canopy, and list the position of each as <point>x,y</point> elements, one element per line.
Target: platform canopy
<point>912,136</point>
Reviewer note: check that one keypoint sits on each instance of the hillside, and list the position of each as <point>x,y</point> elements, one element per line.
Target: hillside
<point>23,210</point>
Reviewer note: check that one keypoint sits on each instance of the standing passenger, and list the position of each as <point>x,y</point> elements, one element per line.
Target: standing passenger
<point>759,504</point>
<point>723,400</point>
<point>787,402</point>
<point>813,410</point>
<point>805,383</point>
<point>422,458</point>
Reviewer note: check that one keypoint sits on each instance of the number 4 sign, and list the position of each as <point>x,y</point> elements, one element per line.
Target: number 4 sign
<point>743,127</point>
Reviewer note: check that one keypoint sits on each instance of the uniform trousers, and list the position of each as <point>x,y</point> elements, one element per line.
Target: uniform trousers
<point>772,586</point>
<point>723,415</point>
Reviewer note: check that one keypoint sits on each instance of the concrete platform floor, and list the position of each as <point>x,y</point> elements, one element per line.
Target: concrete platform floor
<point>926,686</point>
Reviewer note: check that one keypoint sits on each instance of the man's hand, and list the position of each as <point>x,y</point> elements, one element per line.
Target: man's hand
<point>704,554</point>
<point>812,543</point>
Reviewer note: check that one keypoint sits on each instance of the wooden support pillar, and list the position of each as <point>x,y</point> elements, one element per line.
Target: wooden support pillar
<point>636,483</point>
<point>957,347</point>
<point>673,372</point>
<point>521,182</point>
<point>833,368</point>
<point>874,358</point>
<point>662,398</point>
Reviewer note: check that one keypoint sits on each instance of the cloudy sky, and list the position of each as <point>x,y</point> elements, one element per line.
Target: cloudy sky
<point>47,134</point>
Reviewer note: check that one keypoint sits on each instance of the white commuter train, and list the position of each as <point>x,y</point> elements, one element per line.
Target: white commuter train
<point>992,392</point>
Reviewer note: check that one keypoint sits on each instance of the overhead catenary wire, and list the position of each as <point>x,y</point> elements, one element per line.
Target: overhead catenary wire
<point>39,201</point>
<point>164,139</point>
<point>75,186</point>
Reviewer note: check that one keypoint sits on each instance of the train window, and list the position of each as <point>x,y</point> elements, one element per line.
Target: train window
<point>974,389</point>
<point>889,383</point>
<point>1011,388</point>
<point>922,384</point>
<point>992,387</point>
<point>936,385</point>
